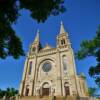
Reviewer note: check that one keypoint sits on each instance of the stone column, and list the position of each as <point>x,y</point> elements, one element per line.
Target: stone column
<point>59,75</point>
<point>22,84</point>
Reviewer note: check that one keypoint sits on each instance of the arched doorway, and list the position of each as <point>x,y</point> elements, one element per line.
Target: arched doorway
<point>67,90</point>
<point>45,89</point>
<point>27,90</point>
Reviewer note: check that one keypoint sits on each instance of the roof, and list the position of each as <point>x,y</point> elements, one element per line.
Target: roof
<point>47,47</point>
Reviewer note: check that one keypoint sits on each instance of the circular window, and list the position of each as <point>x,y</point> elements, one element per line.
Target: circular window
<point>46,67</point>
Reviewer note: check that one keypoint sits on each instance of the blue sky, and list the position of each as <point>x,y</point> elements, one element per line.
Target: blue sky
<point>81,22</point>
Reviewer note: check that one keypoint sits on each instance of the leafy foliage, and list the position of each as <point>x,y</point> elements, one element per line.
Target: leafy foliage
<point>40,10</point>
<point>92,91</point>
<point>9,92</point>
<point>92,48</point>
<point>10,44</point>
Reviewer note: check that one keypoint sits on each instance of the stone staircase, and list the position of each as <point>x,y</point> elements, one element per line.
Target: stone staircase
<point>51,98</point>
<point>45,98</point>
<point>35,98</point>
<point>64,98</point>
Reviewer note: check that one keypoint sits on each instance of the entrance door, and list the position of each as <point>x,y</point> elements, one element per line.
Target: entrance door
<point>67,92</point>
<point>27,92</point>
<point>45,89</point>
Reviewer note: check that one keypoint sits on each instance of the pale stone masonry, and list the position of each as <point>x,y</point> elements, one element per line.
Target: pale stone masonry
<point>51,71</point>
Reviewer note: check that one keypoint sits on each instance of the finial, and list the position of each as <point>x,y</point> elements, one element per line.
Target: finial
<point>47,44</point>
<point>61,23</point>
<point>38,31</point>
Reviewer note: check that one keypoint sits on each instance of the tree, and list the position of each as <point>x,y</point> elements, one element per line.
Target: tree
<point>0,93</point>
<point>92,91</point>
<point>91,48</point>
<point>10,44</point>
<point>9,92</point>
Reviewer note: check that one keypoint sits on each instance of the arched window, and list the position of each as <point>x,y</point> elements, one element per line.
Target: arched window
<point>33,49</point>
<point>66,83</point>
<point>64,63</point>
<point>63,41</point>
<point>46,85</point>
<point>30,68</point>
<point>47,67</point>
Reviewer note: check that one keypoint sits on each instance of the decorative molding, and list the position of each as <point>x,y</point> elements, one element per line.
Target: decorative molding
<point>49,51</point>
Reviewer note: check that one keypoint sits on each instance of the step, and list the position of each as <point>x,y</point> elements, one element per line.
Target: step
<point>50,98</point>
<point>35,98</point>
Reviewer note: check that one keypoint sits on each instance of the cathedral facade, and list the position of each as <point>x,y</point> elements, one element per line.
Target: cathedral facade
<point>51,71</point>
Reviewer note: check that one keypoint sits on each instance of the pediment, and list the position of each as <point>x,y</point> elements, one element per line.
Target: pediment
<point>47,47</point>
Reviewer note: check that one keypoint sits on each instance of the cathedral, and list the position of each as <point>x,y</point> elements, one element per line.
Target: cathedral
<point>52,71</point>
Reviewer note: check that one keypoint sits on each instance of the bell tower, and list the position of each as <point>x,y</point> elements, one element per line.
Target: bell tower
<point>62,38</point>
<point>36,45</point>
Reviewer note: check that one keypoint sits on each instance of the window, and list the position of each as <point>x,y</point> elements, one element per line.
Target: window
<point>46,67</point>
<point>66,83</point>
<point>64,63</point>
<point>33,49</point>
<point>63,41</point>
<point>30,67</point>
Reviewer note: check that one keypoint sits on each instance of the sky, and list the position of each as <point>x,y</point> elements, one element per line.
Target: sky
<point>81,21</point>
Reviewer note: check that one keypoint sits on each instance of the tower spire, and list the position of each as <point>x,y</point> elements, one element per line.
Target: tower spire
<point>37,36</point>
<point>62,30</point>
<point>36,46</point>
<point>62,39</point>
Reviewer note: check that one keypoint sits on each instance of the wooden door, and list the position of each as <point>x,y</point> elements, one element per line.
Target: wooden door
<point>67,92</point>
<point>27,92</point>
<point>45,91</point>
